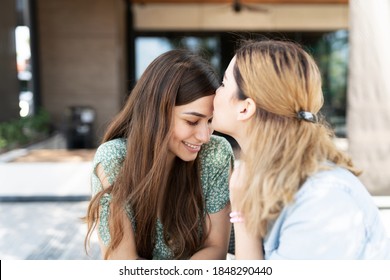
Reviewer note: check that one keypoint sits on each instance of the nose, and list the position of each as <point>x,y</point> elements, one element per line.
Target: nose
<point>203,133</point>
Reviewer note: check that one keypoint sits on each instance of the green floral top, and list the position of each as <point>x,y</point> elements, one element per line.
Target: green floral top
<point>216,158</point>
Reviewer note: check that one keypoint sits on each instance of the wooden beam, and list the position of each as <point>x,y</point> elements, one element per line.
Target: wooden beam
<point>241,1</point>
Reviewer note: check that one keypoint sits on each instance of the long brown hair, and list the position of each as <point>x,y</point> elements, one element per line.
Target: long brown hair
<point>283,151</point>
<point>175,78</point>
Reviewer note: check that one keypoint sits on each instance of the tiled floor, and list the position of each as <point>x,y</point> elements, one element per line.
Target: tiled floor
<point>53,230</point>
<point>44,231</point>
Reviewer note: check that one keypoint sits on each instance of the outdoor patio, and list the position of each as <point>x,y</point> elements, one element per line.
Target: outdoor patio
<point>43,196</point>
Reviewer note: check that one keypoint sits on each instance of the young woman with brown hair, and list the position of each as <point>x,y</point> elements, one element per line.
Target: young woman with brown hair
<point>160,179</point>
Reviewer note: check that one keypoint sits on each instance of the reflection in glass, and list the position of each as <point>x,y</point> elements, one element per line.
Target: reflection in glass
<point>332,54</point>
<point>23,61</point>
<point>329,49</point>
<point>148,48</point>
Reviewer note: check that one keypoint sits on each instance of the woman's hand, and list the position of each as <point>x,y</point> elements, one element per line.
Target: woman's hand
<point>247,246</point>
<point>236,185</point>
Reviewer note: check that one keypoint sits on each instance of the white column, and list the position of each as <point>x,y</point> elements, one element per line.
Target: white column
<point>368,112</point>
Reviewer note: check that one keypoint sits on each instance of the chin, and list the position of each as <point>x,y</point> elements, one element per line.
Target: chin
<point>188,158</point>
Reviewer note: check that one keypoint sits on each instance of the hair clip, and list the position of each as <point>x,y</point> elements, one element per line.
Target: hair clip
<point>306,116</point>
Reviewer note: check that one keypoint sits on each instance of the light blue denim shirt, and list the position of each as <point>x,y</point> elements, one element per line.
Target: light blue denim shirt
<point>332,217</point>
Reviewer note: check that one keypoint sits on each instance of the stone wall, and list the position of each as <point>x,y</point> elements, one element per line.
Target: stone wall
<point>82,57</point>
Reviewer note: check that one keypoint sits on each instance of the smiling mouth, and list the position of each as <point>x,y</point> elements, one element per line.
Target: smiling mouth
<point>192,146</point>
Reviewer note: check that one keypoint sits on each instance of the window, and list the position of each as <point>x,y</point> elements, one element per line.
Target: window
<point>24,59</point>
<point>329,49</point>
<point>148,48</point>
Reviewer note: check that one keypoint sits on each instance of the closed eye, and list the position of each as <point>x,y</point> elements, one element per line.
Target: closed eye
<point>192,123</point>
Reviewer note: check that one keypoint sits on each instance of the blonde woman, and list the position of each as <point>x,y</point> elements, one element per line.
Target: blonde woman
<point>294,195</point>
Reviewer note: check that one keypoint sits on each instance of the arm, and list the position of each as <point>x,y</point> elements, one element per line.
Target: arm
<point>216,159</point>
<point>217,242</point>
<point>126,248</point>
<point>247,246</point>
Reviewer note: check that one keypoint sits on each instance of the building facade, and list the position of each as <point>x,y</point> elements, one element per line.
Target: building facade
<point>87,50</point>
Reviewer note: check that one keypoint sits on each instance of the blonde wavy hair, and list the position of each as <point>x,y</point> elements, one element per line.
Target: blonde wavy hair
<point>284,150</point>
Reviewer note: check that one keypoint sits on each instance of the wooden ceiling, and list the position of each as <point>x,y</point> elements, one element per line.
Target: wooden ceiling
<point>241,1</point>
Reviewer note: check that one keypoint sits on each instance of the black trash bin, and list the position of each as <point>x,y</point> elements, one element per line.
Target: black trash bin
<point>79,127</point>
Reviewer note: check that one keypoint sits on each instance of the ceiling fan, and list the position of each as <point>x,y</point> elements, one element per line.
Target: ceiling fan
<point>238,6</point>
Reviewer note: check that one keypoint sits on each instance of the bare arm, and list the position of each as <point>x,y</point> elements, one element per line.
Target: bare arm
<point>217,242</point>
<point>126,249</point>
<point>247,246</point>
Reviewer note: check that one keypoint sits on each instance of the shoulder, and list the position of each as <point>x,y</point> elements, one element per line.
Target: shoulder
<point>217,142</point>
<point>342,190</point>
<point>335,187</point>
<point>322,209</point>
<point>336,192</point>
<point>332,181</point>
<point>331,203</point>
<point>217,151</point>
<point>110,156</point>
<point>111,150</point>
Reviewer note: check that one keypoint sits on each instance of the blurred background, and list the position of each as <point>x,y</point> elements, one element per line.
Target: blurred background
<point>67,66</point>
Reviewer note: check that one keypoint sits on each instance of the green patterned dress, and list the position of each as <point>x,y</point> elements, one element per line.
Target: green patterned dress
<point>216,158</point>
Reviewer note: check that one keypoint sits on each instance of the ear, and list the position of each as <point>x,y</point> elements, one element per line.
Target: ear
<point>247,109</point>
